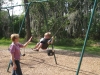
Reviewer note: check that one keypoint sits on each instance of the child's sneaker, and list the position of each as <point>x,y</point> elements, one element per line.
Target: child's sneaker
<point>35,49</point>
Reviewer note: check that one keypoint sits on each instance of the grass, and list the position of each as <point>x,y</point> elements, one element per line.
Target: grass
<point>6,42</point>
<point>89,49</point>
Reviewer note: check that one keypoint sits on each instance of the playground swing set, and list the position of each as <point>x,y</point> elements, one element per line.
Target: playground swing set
<point>51,52</point>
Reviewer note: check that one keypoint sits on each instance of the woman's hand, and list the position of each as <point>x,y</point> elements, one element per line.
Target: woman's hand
<point>30,39</point>
<point>27,42</point>
<point>14,67</point>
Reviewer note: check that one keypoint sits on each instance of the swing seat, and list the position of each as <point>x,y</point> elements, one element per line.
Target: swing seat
<point>50,52</point>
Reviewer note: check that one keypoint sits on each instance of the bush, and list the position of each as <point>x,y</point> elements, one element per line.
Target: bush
<point>73,42</point>
<point>78,42</point>
<point>64,42</point>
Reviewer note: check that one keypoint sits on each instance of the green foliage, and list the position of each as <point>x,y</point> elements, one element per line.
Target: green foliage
<point>89,49</point>
<point>73,42</point>
<point>4,41</point>
<point>9,25</point>
<point>40,16</point>
<point>3,22</point>
<point>95,29</point>
<point>17,21</point>
<point>64,42</point>
<point>7,42</point>
<point>73,15</point>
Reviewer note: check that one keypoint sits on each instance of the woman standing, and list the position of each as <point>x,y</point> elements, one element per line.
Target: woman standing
<point>15,53</point>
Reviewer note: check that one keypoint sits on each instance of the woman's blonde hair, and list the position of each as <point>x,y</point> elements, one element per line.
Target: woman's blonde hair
<point>14,36</point>
<point>47,34</point>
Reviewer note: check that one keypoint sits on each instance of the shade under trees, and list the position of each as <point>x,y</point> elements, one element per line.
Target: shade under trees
<point>73,15</point>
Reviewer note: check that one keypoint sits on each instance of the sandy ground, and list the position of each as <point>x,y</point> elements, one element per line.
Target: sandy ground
<point>38,63</point>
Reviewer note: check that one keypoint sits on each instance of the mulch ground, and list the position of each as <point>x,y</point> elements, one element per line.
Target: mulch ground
<point>39,63</point>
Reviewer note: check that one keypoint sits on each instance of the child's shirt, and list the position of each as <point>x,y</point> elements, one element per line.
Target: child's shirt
<point>44,41</point>
<point>15,49</point>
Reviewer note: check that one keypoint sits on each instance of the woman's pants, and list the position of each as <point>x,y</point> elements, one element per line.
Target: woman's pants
<point>18,69</point>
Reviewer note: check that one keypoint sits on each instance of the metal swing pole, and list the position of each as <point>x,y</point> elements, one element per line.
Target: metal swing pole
<point>9,17</point>
<point>24,17</point>
<point>9,14</point>
<point>11,23</point>
<point>85,41</point>
<point>8,65</point>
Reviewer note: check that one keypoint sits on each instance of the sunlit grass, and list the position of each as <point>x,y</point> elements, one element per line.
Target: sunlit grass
<point>88,49</point>
<point>5,42</point>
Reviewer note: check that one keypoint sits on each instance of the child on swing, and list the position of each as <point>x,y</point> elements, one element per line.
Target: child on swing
<point>44,42</point>
<point>15,53</point>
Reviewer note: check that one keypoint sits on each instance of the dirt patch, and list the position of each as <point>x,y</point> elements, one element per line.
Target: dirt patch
<point>38,63</point>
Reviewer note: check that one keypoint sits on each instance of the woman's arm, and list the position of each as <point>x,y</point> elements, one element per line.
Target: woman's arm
<point>27,42</point>
<point>12,58</point>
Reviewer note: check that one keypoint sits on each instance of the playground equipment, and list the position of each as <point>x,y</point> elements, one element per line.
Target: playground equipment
<point>85,41</point>
<point>50,52</point>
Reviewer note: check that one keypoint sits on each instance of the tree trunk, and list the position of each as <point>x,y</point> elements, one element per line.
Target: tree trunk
<point>27,23</point>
